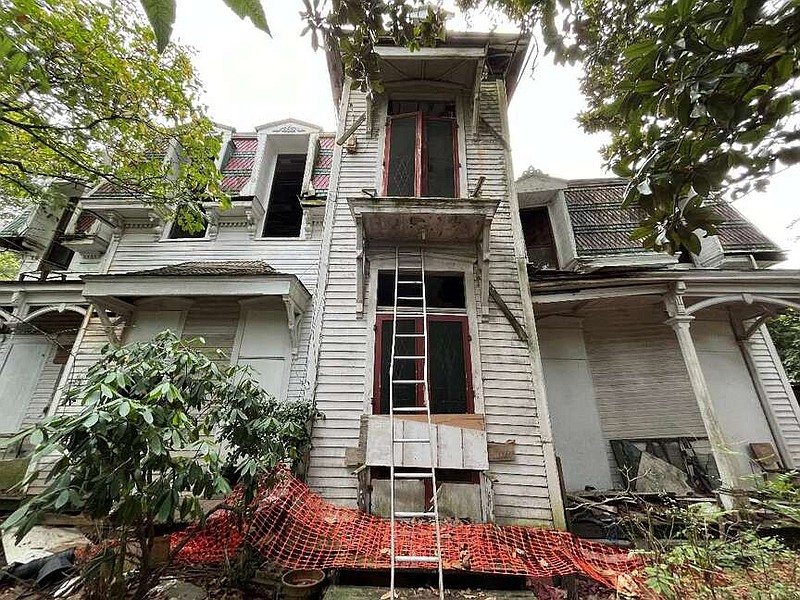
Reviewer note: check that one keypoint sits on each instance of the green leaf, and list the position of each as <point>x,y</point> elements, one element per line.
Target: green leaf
<point>91,420</point>
<point>124,408</point>
<point>147,416</point>
<point>62,499</point>
<point>161,14</point>
<point>251,9</point>
<point>37,437</point>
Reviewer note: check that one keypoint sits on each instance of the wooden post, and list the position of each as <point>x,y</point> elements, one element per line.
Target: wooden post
<point>722,453</point>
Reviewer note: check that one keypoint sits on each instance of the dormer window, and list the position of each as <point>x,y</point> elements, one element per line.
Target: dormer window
<point>178,232</point>
<point>421,157</point>
<point>539,239</point>
<point>284,212</point>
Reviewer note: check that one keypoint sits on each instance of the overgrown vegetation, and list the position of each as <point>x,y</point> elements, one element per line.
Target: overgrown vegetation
<point>153,429</point>
<point>785,332</point>
<point>9,265</point>
<point>710,553</point>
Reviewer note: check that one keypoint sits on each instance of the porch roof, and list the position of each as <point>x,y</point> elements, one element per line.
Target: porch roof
<point>236,278</point>
<point>561,286</point>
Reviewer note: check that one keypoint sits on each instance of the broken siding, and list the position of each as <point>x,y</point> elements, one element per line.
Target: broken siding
<point>778,392</point>
<point>340,393</point>
<point>520,487</point>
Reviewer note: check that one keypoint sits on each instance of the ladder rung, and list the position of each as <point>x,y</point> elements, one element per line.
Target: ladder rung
<point>413,475</point>
<point>410,282</point>
<point>410,335</point>
<point>409,315</point>
<point>410,298</point>
<point>402,514</point>
<point>423,559</point>
<point>412,441</point>
<point>409,357</point>
<point>410,409</point>
<point>409,381</point>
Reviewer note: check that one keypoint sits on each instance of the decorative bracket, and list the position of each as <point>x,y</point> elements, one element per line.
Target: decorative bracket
<point>293,318</point>
<point>360,266</point>
<point>484,253</point>
<point>109,327</point>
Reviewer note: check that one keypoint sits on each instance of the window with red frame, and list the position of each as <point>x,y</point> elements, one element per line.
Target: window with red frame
<point>421,157</point>
<point>449,366</point>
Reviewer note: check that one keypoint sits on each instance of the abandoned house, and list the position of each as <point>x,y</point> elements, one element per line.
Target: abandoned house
<point>395,267</point>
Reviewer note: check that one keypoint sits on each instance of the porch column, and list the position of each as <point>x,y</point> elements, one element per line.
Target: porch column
<point>722,452</point>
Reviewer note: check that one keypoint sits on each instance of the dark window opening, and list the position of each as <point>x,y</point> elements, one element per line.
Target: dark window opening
<point>177,232</point>
<point>539,240</point>
<point>449,367</point>
<point>284,212</point>
<point>179,229</point>
<point>421,156</point>
<point>442,475</point>
<point>58,257</point>
<point>441,291</point>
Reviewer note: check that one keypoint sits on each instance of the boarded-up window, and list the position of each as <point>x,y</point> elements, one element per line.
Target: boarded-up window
<point>19,375</point>
<point>149,323</point>
<point>266,347</point>
<point>421,157</point>
<point>539,238</point>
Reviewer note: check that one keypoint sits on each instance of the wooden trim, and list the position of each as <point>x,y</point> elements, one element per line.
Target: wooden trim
<point>474,421</point>
<point>380,319</point>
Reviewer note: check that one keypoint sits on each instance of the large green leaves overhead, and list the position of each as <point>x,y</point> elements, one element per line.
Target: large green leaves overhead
<point>161,14</point>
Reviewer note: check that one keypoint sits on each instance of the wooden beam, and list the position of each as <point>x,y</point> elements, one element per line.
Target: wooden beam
<point>521,333</point>
<point>496,133</point>
<point>352,129</point>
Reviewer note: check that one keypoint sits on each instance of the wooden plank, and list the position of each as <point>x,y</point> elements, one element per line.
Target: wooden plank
<point>472,421</point>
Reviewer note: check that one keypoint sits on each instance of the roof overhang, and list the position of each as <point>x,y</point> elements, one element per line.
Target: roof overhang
<point>114,292</point>
<point>747,287</point>
<point>460,62</point>
<point>433,220</point>
<point>41,293</point>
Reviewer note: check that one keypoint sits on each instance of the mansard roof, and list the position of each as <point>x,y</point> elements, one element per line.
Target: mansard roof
<point>239,165</point>
<point>602,226</point>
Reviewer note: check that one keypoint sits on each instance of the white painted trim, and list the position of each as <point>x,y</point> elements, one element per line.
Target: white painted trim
<point>773,352</point>
<point>537,369</point>
<point>434,263</point>
<point>60,308</point>
<point>443,52</point>
<point>461,142</point>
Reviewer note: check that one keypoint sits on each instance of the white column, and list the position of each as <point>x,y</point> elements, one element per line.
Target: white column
<point>722,451</point>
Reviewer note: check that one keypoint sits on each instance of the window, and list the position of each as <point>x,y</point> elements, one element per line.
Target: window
<point>177,230</point>
<point>449,367</point>
<point>421,156</point>
<point>539,238</point>
<point>284,212</point>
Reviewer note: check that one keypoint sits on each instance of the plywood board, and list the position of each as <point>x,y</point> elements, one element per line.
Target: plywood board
<point>456,447</point>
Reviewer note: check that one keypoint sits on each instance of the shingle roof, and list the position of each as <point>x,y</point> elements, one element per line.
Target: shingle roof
<point>602,226</point>
<point>238,168</point>
<point>214,268</point>
<point>323,160</point>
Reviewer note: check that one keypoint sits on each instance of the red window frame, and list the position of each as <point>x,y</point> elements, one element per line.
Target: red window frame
<point>420,154</point>
<point>380,319</point>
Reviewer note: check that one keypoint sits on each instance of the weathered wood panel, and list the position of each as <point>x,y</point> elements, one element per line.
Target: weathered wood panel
<point>779,394</point>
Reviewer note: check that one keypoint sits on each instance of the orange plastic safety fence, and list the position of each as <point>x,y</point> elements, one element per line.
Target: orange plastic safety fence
<point>295,528</point>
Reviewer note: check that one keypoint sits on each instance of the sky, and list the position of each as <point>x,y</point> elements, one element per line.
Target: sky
<point>251,78</point>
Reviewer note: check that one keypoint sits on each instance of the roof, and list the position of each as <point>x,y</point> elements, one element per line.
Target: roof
<point>239,165</point>
<point>602,226</point>
<point>323,161</point>
<point>210,268</point>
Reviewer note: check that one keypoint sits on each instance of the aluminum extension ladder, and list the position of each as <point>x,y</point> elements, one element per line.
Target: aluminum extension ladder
<point>411,291</point>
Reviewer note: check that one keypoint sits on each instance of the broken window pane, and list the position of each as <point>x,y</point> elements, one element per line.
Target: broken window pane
<point>284,212</point>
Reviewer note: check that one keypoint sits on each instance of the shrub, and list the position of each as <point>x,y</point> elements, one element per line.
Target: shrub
<point>158,427</point>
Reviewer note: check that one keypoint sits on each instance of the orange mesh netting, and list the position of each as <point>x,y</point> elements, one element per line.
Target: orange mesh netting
<point>295,528</point>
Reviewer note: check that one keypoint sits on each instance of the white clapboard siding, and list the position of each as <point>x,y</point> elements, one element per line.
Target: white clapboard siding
<point>87,354</point>
<point>342,340</point>
<point>520,487</point>
<point>139,250</point>
<point>779,394</point>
